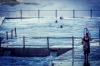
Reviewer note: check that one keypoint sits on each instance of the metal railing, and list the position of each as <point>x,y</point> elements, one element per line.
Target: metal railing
<point>48,40</point>
<point>24,14</point>
<point>13,33</point>
<point>86,31</point>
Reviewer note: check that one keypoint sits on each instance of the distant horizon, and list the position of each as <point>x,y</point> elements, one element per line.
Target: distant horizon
<point>39,1</point>
<point>51,5</point>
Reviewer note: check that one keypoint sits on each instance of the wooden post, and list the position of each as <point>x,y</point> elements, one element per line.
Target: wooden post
<point>23,43</point>
<point>73,13</point>
<point>91,13</point>
<point>56,14</point>
<point>38,13</point>
<point>12,34</point>
<point>7,35</point>
<point>48,42</point>
<point>15,33</point>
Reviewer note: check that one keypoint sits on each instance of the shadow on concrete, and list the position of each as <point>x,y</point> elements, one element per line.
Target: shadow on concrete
<point>86,63</point>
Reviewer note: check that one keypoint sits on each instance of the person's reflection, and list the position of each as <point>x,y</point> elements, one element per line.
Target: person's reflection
<point>86,63</point>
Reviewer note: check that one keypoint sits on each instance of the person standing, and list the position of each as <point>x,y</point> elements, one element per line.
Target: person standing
<point>86,45</point>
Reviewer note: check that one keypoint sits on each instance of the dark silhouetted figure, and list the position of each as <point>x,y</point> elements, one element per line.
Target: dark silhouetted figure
<point>61,17</point>
<point>86,45</point>
<point>61,26</point>
<point>56,21</point>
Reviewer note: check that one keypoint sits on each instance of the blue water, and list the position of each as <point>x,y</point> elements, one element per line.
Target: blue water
<point>25,61</point>
<point>31,28</point>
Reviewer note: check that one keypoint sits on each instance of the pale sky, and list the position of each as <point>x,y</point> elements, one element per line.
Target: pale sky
<point>64,4</point>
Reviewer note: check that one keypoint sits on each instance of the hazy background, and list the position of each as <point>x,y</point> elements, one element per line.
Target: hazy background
<point>56,4</point>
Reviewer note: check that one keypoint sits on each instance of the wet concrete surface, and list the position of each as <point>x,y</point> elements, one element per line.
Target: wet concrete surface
<point>76,57</point>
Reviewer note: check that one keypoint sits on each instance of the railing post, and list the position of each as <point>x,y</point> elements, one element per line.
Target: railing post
<point>48,42</point>
<point>73,13</point>
<point>15,33</point>
<point>56,14</point>
<point>73,51</point>
<point>7,35</point>
<point>72,42</point>
<point>12,34</point>
<point>21,14</point>
<point>91,13</point>
<point>85,30</point>
<point>23,43</point>
<point>38,13</point>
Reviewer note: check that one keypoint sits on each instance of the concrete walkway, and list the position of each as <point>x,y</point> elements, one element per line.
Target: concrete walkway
<point>76,57</point>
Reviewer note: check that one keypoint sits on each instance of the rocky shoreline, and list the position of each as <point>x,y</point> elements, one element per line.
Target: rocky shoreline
<point>9,1</point>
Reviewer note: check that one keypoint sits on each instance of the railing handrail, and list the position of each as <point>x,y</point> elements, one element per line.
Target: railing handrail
<point>87,31</point>
<point>38,14</point>
<point>11,32</point>
<point>35,37</point>
<point>49,10</point>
